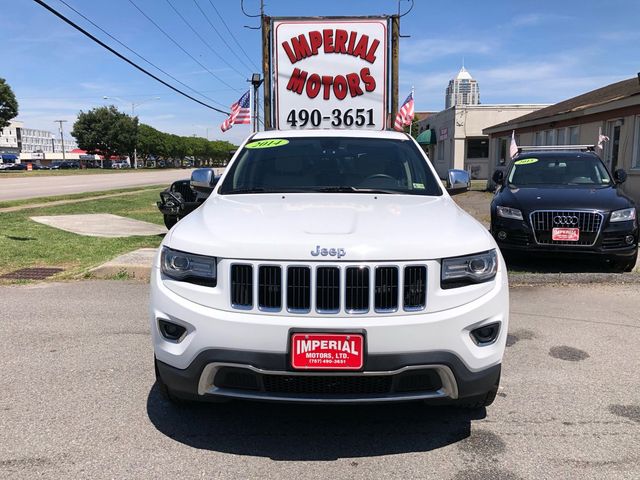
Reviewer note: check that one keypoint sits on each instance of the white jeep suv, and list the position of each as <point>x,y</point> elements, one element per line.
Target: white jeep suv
<point>329,266</point>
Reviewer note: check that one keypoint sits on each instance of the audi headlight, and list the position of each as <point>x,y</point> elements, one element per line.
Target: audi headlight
<point>468,270</point>
<point>508,212</point>
<point>189,267</point>
<point>623,215</point>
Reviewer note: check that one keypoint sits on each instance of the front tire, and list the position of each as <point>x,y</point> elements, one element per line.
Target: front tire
<point>165,391</point>
<point>480,401</point>
<point>170,221</point>
<point>624,264</point>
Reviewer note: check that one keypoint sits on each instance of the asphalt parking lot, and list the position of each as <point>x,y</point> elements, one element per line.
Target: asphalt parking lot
<point>79,401</point>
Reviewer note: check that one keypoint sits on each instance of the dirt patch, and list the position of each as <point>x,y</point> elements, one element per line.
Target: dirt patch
<point>517,335</point>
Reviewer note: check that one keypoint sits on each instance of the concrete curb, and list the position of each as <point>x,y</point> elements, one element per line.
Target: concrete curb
<point>133,265</point>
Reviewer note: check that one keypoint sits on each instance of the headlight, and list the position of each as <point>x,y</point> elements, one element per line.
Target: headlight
<point>468,270</point>
<point>189,267</point>
<point>623,215</point>
<point>508,212</point>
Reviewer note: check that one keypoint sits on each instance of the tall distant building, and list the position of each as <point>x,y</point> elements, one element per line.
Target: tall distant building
<point>462,90</point>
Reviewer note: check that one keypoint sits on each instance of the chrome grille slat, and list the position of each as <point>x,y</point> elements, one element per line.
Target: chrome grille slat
<point>299,289</point>
<point>270,287</point>
<point>357,290</point>
<point>589,223</point>
<point>242,286</point>
<point>415,287</point>
<point>328,289</point>
<point>386,289</point>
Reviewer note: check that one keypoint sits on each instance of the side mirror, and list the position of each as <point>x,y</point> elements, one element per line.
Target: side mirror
<point>458,181</point>
<point>619,176</point>
<point>203,180</point>
<point>498,177</point>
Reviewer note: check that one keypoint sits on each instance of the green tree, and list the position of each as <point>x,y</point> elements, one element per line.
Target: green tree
<point>106,131</point>
<point>8,104</point>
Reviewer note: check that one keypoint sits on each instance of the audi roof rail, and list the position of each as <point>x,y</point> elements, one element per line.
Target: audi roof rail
<point>538,148</point>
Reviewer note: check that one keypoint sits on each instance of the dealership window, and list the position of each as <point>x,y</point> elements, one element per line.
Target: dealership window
<point>574,135</point>
<point>478,148</point>
<point>561,135</point>
<point>539,139</point>
<point>636,144</point>
<point>502,151</point>
<point>550,137</point>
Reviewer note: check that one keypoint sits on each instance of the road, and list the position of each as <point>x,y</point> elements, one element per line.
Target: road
<point>17,188</point>
<point>78,401</point>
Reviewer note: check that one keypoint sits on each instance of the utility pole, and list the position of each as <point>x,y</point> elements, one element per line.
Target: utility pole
<point>60,122</point>
<point>256,81</point>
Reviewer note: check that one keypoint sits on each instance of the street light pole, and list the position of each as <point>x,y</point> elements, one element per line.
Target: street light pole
<point>133,114</point>
<point>60,122</point>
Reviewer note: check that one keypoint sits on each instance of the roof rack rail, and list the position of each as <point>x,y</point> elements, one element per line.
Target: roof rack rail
<point>583,148</point>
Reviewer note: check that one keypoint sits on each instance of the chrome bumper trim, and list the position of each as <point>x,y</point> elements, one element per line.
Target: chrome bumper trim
<point>448,390</point>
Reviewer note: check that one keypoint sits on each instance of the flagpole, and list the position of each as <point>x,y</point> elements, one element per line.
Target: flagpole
<point>414,114</point>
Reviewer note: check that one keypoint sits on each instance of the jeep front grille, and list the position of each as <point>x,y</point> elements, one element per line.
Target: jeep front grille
<point>544,221</point>
<point>328,289</point>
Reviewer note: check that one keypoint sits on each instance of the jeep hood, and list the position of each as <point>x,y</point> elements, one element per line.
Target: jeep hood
<point>367,227</point>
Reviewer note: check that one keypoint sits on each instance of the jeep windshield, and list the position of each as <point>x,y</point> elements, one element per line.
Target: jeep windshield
<point>571,170</point>
<point>332,165</point>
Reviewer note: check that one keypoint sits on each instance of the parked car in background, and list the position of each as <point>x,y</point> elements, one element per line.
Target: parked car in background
<point>563,200</point>
<point>120,165</point>
<point>180,199</point>
<point>64,165</point>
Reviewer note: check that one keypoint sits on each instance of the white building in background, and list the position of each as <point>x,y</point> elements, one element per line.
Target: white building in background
<point>9,138</point>
<point>17,139</point>
<point>462,90</point>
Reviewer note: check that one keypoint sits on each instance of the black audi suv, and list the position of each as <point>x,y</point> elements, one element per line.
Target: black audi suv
<point>564,202</point>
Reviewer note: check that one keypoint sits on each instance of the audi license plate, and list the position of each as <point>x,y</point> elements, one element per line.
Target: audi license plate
<point>565,234</point>
<point>327,351</point>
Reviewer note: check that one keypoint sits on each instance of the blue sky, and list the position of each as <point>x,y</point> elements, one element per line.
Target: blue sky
<point>519,51</point>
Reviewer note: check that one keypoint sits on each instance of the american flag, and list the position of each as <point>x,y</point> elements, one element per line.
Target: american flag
<point>405,114</point>
<point>240,113</point>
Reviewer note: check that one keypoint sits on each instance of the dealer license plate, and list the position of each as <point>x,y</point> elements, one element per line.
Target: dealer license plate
<point>565,234</point>
<point>327,351</point>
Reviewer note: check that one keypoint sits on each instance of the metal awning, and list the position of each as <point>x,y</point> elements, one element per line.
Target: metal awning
<point>428,137</point>
<point>9,156</point>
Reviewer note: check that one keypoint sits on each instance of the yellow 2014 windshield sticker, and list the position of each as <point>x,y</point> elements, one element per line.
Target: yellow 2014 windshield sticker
<point>270,143</point>
<point>526,161</point>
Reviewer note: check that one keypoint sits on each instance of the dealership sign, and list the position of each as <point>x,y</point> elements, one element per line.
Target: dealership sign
<point>330,73</point>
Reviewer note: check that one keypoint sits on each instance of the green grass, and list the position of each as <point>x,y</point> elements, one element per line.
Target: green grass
<point>77,196</point>
<point>25,243</point>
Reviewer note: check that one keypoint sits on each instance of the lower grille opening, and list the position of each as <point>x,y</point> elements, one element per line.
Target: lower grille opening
<point>418,381</point>
<point>412,381</point>
<point>236,379</point>
<point>327,385</point>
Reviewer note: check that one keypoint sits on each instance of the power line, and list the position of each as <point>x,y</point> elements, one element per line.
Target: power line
<point>138,55</point>
<point>221,37</point>
<point>119,55</point>
<point>231,33</point>
<point>180,47</point>
<point>204,41</point>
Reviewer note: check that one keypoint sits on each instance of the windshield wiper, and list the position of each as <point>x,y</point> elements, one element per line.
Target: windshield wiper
<point>349,189</point>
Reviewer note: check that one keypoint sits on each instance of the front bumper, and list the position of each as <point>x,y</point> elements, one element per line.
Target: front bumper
<point>609,242</point>
<point>435,376</point>
<point>435,345</point>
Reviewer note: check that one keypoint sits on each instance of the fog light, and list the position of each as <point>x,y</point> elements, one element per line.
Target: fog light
<point>171,331</point>
<point>486,334</point>
<point>629,239</point>
<point>502,235</point>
